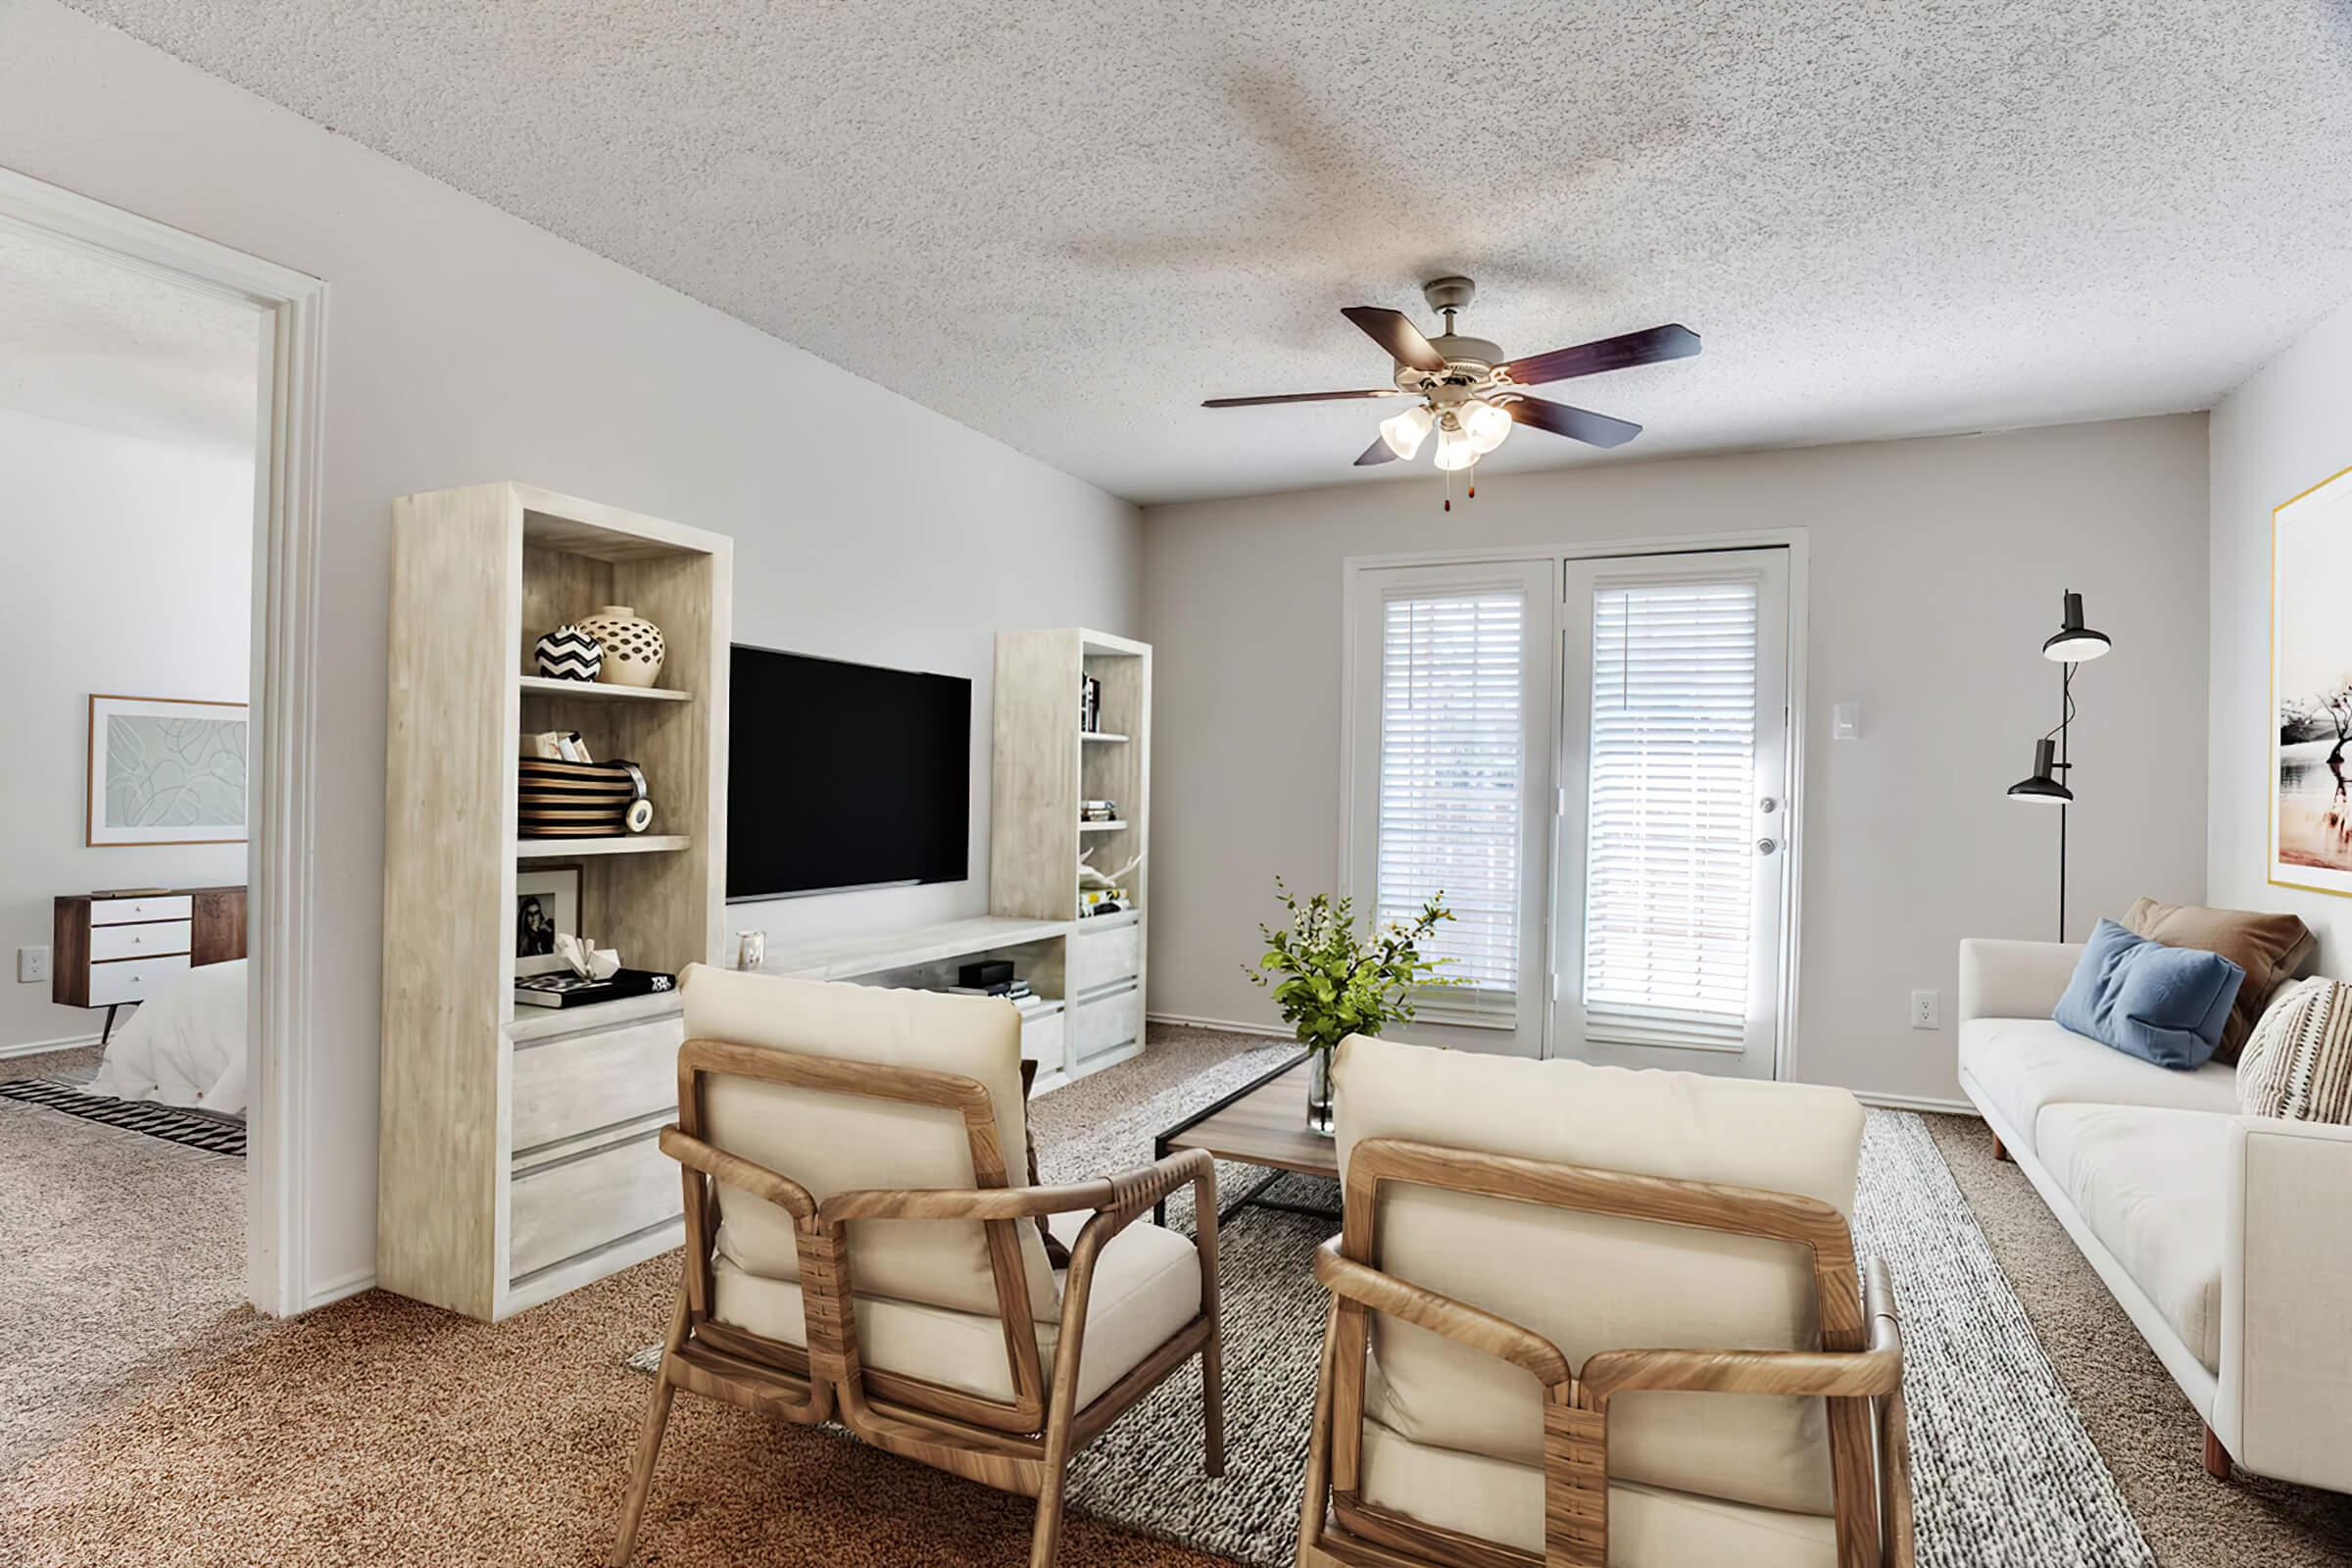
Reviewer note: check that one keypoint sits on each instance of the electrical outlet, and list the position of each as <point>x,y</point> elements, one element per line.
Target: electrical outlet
<point>1927,1011</point>
<point>32,966</point>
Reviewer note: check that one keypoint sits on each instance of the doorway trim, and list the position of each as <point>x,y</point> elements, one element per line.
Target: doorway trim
<point>1796,539</point>
<point>280,863</point>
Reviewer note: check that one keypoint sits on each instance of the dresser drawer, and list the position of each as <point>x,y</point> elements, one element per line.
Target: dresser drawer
<point>1041,1040</point>
<point>577,1205</point>
<point>576,1084</point>
<point>133,979</point>
<point>138,941</point>
<point>1106,1022</point>
<point>127,912</point>
<point>1099,958</point>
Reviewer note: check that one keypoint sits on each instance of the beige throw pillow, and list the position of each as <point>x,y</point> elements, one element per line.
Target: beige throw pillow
<point>2268,947</point>
<point>2297,1065</point>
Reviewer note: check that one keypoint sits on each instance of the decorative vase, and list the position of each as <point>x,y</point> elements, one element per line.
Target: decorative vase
<point>570,654</point>
<point>1318,1093</point>
<point>632,647</point>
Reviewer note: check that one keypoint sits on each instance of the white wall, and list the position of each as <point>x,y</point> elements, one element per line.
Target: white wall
<point>2286,429</point>
<point>1937,567</point>
<point>129,570</point>
<point>464,345</point>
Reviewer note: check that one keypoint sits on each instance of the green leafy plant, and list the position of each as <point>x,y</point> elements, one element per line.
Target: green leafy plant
<point>1332,983</point>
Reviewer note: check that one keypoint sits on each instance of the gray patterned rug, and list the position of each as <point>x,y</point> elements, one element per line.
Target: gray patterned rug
<point>2004,1474</point>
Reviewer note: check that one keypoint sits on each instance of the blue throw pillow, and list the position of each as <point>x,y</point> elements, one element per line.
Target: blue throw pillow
<point>2162,1004</point>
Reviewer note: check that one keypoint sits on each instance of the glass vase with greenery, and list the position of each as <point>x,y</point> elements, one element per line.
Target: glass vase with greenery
<point>1331,983</point>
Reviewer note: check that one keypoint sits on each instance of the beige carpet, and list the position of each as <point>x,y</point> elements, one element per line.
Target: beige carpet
<point>2148,1432</point>
<point>380,1432</point>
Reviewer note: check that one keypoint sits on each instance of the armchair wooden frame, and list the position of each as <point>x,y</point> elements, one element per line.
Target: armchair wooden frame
<point>1858,1369</point>
<point>1022,1445</point>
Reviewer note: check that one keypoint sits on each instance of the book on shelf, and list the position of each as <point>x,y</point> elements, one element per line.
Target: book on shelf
<point>564,989</point>
<point>1010,990</point>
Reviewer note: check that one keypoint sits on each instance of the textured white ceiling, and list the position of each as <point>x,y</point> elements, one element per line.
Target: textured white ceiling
<point>88,340</point>
<point>1067,223</point>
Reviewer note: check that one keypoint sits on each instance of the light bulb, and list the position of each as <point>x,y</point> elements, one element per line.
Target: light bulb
<point>1486,425</point>
<point>1456,450</point>
<point>1405,431</point>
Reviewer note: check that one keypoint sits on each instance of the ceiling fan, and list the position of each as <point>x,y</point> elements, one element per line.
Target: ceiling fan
<point>1470,395</point>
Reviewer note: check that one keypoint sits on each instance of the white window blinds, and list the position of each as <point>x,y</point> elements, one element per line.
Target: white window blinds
<point>1670,863</point>
<point>1452,768</point>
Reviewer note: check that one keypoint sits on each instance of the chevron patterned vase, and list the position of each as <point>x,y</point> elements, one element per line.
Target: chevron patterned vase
<point>570,654</point>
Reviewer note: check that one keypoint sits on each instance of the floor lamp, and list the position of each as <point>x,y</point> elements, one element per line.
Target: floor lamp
<point>2070,645</point>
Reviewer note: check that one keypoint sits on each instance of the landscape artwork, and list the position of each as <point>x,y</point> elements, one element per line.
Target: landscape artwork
<point>2310,690</point>
<point>167,770</point>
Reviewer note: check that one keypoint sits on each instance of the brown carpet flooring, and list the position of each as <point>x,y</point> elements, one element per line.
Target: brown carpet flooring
<point>381,1432</point>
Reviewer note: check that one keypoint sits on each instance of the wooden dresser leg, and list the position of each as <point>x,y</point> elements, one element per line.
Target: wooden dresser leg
<point>2217,1457</point>
<point>2000,1151</point>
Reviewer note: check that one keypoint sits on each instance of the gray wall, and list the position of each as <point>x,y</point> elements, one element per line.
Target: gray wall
<point>1935,572</point>
<point>2280,434</point>
<point>464,345</point>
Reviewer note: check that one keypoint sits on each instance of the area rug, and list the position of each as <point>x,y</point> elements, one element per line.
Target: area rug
<point>214,1135</point>
<point>2004,1474</point>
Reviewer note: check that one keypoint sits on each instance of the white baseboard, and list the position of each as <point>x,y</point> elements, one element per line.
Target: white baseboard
<point>333,1290</point>
<point>1948,1108</point>
<point>1225,1025</point>
<point>33,1047</point>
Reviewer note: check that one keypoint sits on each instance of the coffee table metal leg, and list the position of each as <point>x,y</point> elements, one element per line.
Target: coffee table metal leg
<point>1160,1151</point>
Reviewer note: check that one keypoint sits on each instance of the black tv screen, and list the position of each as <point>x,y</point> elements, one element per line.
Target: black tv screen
<point>844,775</point>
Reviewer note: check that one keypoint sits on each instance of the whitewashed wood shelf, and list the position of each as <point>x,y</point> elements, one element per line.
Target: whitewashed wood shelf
<point>1109,922</point>
<point>591,691</point>
<point>1103,827</point>
<point>1102,737</point>
<point>874,952</point>
<point>542,1023</point>
<point>568,849</point>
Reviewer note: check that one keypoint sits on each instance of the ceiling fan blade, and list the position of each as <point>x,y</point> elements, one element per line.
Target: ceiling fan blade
<point>1301,397</point>
<point>1377,452</point>
<point>1394,331</point>
<point>1648,346</point>
<point>1577,425</point>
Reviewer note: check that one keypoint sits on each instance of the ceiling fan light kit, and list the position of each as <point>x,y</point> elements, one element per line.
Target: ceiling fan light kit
<point>1470,395</point>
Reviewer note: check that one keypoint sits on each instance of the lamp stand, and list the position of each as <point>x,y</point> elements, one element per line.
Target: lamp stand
<point>2066,723</point>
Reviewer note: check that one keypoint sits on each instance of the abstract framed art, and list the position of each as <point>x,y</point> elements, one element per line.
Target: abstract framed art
<point>2310,690</point>
<point>167,770</point>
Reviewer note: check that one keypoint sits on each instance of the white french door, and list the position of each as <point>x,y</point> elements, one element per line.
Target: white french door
<point>1674,811</point>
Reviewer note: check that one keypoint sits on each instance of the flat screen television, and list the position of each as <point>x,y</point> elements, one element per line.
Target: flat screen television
<point>844,775</point>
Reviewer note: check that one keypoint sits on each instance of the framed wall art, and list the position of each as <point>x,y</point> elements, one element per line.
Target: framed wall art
<point>2310,690</point>
<point>167,770</point>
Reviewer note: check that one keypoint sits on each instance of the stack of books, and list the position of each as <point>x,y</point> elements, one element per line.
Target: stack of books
<point>1013,991</point>
<point>1102,900</point>
<point>563,989</point>
<point>1098,811</point>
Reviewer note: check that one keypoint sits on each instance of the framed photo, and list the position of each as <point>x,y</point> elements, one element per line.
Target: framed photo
<point>2310,690</point>
<point>547,900</point>
<point>167,770</point>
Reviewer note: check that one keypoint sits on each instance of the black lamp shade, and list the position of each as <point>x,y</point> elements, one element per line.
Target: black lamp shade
<point>2073,642</point>
<point>2043,786</point>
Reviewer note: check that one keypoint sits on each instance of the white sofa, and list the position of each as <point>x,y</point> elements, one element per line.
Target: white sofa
<point>2227,1238</point>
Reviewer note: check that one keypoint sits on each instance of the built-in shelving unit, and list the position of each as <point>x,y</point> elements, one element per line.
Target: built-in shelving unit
<point>517,1155</point>
<point>1044,764</point>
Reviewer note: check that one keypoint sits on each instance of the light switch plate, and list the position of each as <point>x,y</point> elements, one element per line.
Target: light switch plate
<point>1927,1011</point>
<point>32,966</point>
<point>1845,721</point>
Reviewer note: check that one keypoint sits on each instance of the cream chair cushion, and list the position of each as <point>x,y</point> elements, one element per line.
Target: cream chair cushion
<point>2025,1064</point>
<point>1649,1527</point>
<point>833,1143</point>
<point>2152,1187</point>
<point>1147,1286</point>
<point>1590,1283</point>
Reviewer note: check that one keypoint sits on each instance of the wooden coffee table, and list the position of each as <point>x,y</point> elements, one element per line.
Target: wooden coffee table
<point>1261,1123</point>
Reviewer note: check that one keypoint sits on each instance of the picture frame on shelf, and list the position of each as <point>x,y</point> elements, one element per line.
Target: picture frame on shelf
<point>167,770</point>
<point>547,901</point>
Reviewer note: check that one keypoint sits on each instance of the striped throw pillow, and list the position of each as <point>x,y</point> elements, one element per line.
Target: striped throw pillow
<point>2297,1063</point>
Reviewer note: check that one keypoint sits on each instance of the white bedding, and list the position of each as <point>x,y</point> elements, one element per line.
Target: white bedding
<point>186,1048</point>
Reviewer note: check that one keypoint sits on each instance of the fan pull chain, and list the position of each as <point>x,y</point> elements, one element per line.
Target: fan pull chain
<point>1474,481</point>
<point>1448,489</point>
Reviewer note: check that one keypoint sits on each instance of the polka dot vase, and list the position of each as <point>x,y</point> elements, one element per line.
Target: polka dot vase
<point>633,647</point>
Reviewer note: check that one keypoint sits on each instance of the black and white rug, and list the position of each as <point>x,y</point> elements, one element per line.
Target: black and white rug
<point>214,1135</point>
<point>2004,1475</point>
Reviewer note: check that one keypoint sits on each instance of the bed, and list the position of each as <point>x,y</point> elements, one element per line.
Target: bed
<point>186,1048</point>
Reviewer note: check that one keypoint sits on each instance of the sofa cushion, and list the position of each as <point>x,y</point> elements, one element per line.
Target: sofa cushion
<point>2165,1005</point>
<point>2019,1065</point>
<point>1147,1286</point>
<point>1649,1527</point>
<point>2150,1186</point>
<point>2298,1061</point>
<point>1590,1283</point>
<point>2269,947</point>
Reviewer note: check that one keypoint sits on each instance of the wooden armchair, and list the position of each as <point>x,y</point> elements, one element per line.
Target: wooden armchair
<point>858,1249</point>
<point>1452,1435</point>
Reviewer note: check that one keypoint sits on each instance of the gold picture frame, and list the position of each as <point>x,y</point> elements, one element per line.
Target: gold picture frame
<point>2309,793</point>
